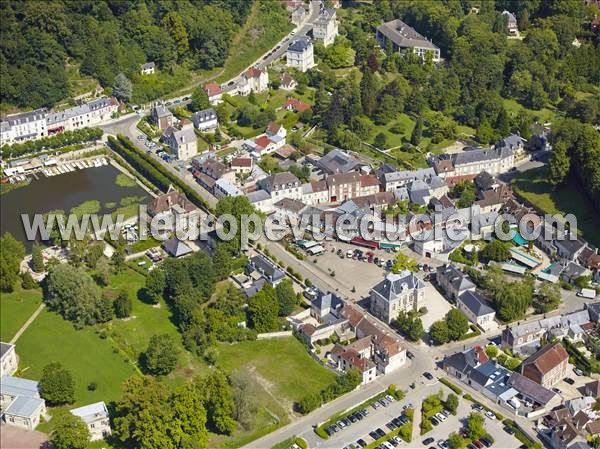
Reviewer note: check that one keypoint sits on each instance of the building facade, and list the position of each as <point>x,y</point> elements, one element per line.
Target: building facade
<point>397,292</point>
<point>299,54</point>
<point>406,39</point>
<point>325,27</point>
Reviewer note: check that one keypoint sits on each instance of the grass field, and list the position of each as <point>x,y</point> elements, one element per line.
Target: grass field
<point>534,187</point>
<point>16,308</point>
<point>543,115</point>
<point>282,362</point>
<point>88,357</point>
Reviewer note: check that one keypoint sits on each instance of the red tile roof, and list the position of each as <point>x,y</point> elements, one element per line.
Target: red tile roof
<point>212,89</point>
<point>296,105</point>
<point>368,181</point>
<point>241,162</point>
<point>253,72</point>
<point>273,127</point>
<point>262,141</point>
<point>547,358</point>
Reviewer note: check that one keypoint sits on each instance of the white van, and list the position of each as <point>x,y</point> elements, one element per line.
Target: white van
<point>589,293</point>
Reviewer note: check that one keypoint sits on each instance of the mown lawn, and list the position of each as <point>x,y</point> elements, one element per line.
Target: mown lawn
<point>89,357</point>
<point>283,362</point>
<point>534,187</point>
<point>15,309</point>
<point>543,115</point>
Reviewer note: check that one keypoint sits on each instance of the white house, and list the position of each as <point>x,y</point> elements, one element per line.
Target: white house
<point>21,403</point>
<point>96,418</point>
<point>282,185</point>
<point>511,23</point>
<point>406,39</point>
<point>474,307</point>
<point>223,188</point>
<point>182,141</point>
<point>205,120</point>
<point>24,126</point>
<point>83,116</point>
<point>325,27</point>
<point>214,93</point>
<point>8,359</point>
<point>299,54</point>
<point>253,80</point>
<point>148,68</point>
<point>397,292</point>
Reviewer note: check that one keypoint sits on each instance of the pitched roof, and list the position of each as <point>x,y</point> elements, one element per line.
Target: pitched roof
<point>253,72</point>
<point>212,89</point>
<point>4,348</point>
<point>295,104</point>
<point>368,181</point>
<point>24,406</point>
<point>338,161</point>
<point>300,45</point>
<point>290,204</point>
<point>474,302</point>
<point>471,155</point>
<point>17,386</point>
<point>530,388</point>
<point>166,201</point>
<point>404,36</point>
<point>280,180</point>
<point>241,162</point>
<point>266,267</point>
<point>593,388</point>
<point>546,358</point>
<point>343,178</point>
<point>273,127</point>
<point>465,361</point>
<point>89,413</point>
<point>176,247</point>
<point>395,283</point>
<point>459,280</point>
<point>327,300</point>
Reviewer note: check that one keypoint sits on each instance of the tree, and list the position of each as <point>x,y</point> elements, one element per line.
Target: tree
<point>94,253</point>
<point>415,330</point>
<point>439,332</point>
<point>37,259</point>
<point>11,255</point>
<point>57,385</point>
<point>27,281</point>
<point>455,441</point>
<point>161,356</point>
<point>380,140</point>
<point>155,284</point>
<point>475,425</point>
<point>122,87</point>
<point>117,260</point>
<point>103,272</point>
<point>143,417</point>
<point>72,292</point>
<point>189,417</point>
<point>403,262</point>
<point>263,309</point>
<point>548,298</point>
<point>69,431</point>
<point>199,99</point>
<point>222,260</point>
<point>286,297</point>
<point>458,324</point>
<point>309,402</point>
<point>496,250</point>
<point>417,132</point>
<point>452,403</point>
<point>123,305</point>
<point>218,401</point>
<point>560,164</point>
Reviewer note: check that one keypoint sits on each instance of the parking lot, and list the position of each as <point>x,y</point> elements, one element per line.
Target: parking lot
<point>437,306</point>
<point>376,419</point>
<point>454,423</point>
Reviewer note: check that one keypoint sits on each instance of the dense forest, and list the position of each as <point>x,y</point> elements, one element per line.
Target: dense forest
<point>107,37</point>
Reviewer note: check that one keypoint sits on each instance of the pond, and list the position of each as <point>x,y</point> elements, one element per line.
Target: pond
<point>86,191</point>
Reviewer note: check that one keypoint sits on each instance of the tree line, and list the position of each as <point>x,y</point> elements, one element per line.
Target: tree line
<point>52,142</point>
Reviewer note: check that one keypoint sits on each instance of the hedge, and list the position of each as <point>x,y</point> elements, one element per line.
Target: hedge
<point>152,169</point>
<point>450,385</point>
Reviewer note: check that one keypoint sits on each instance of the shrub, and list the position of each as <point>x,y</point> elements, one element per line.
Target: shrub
<point>450,385</point>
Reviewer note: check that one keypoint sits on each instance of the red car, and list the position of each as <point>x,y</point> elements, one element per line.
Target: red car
<point>478,443</point>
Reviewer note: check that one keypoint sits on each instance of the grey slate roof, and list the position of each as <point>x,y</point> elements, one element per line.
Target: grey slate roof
<point>25,117</point>
<point>463,362</point>
<point>24,406</point>
<point>530,388</point>
<point>203,116</point>
<point>266,267</point>
<point>327,300</point>
<point>473,155</point>
<point>338,161</point>
<point>17,386</point>
<point>299,45</point>
<point>422,174</point>
<point>279,181</point>
<point>474,302</point>
<point>176,247</point>
<point>393,284</point>
<point>258,195</point>
<point>459,280</point>
<point>513,142</point>
<point>89,413</point>
<point>404,36</point>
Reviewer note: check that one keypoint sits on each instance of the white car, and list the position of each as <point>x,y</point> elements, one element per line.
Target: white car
<point>442,444</point>
<point>388,445</point>
<point>490,415</point>
<point>440,416</point>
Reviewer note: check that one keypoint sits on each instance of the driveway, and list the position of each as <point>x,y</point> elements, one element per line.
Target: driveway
<point>12,437</point>
<point>437,306</point>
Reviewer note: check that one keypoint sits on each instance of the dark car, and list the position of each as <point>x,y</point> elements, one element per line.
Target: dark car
<point>478,444</point>
<point>352,418</point>
<point>427,441</point>
<point>373,435</point>
<point>428,375</point>
<point>410,355</point>
<point>361,443</point>
<point>391,425</point>
<point>471,446</point>
<point>434,421</point>
<point>380,432</point>
<point>569,380</point>
<point>509,430</point>
<point>478,407</point>
<point>485,441</point>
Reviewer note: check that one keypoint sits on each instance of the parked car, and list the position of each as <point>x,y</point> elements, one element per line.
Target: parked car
<point>380,432</point>
<point>427,441</point>
<point>361,443</point>
<point>478,407</point>
<point>389,398</point>
<point>373,435</point>
<point>410,355</point>
<point>556,390</point>
<point>569,380</point>
<point>440,417</point>
<point>446,412</point>
<point>443,444</point>
<point>434,421</point>
<point>428,375</point>
<point>485,441</point>
<point>490,415</point>
<point>509,430</point>
<point>478,444</point>
<point>578,372</point>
